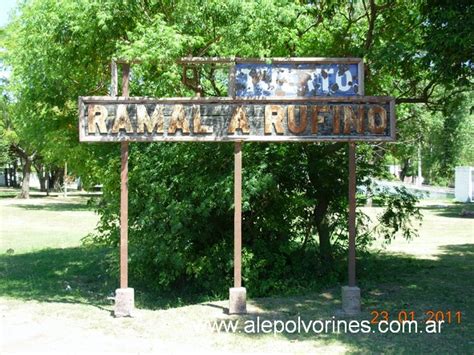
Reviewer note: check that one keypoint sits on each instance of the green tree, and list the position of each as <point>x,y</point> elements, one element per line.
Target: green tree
<point>12,144</point>
<point>295,196</point>
<point>4,132</point>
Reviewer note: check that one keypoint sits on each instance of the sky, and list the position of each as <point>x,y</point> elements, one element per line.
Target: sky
<point>6,7</point>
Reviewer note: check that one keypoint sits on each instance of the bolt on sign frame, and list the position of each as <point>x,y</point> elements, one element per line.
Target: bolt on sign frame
<point>271,100</point>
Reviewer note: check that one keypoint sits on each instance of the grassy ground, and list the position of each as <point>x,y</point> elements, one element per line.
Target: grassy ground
<point>53,293</point>
<point>32,225</point>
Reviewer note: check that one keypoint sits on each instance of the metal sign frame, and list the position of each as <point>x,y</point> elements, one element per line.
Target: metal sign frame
<point>124,302</point>
<point>223,108</point>
<point>298,70</point>
<point>190,61</point>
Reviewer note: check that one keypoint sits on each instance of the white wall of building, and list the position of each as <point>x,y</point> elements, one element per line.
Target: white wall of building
<point>463,184</point>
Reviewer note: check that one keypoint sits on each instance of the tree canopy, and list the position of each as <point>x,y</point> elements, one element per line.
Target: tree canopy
<point>294,195</point>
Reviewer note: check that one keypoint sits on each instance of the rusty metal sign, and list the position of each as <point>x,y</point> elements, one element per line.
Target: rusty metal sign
<point>108,119</point>
<point>299,77</point>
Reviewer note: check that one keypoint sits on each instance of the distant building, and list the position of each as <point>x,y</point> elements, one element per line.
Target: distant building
<point>395,170</point>
<point>464,184</point>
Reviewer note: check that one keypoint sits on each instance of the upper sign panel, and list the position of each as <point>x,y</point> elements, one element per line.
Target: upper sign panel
<point>299,79</point>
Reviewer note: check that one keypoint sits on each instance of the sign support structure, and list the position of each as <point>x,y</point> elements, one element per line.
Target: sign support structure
<point>270,100</point>
<point>124,296</point>
<point>351,301</point>
<point>237,294</point>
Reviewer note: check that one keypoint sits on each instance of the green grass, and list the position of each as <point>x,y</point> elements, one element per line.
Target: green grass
<point>8,194</point>
<point>442,225</point>
<point>11,192</point>
<point>51,273</point>
<point>74,274</point>
<point>449,209</point>
<point>35,224</point>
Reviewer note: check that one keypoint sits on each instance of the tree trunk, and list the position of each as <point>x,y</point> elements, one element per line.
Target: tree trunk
<point>13,174</point>
<point>322,196</point>
<point>42,181</point>
<point>47,178</point>
<point>25,184</point>
<point>404,170</point>
<point>56,177</point>
<point>40,170</point>
<point>325,248</point>
<point>7,177</point>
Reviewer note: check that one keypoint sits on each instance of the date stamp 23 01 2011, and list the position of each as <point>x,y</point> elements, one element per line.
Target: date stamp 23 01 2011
<point>446,316</point>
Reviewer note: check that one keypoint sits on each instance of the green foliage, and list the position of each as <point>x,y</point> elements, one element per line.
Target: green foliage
<point>399,215</point>
<point>444,139</point>
<point>181,215</point>
<point>6,135</point>
<point>295,196</point>
<point>449,40</point>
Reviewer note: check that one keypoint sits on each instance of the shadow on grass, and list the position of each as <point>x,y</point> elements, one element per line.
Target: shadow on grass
<point>75,275</point>
<point>451,210</point>
<point>71,275</point>
<point>13,192</point>
<point>57,207</point>
<point>7,195</point>
<point>8,192</point>
<point>391,283</point>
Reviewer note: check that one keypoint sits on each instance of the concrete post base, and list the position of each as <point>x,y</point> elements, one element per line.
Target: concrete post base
<point>124,302</point>
<point>351,300</point>
<point>237,300</point>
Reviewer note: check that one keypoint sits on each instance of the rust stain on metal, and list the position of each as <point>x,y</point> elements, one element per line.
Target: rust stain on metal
<point>96,116</point>
<point>293,125</point>
<point>239,121</point>
<point>178,120</point>
<point>351,119</point>
<point>237,214</point>
<point>153,123</point>
<point>377,118</point>
<point>352,214</point>
<point>258,120</point>
<point>274,115</point>
<point>122,121</point>
<point>336,121</point>
<point>198,127</point>
<point>124,185</point>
